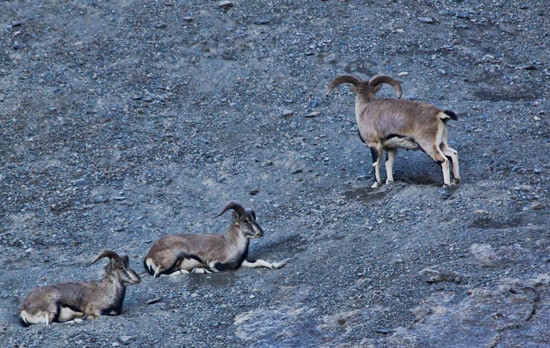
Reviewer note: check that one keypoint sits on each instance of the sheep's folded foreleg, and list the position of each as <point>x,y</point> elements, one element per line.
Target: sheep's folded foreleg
<point>263,263</point>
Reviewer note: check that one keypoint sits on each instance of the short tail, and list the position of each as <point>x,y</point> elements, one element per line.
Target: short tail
<point>451,114</point>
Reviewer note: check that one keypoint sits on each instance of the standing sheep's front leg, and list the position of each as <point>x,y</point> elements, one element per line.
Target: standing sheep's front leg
<point>376,152</point>
<point>389,164</point>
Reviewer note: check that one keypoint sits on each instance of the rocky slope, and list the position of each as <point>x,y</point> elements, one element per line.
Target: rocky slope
<point>123,121</point>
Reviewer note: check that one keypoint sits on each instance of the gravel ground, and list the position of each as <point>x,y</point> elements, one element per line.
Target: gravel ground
<point>123,121</point>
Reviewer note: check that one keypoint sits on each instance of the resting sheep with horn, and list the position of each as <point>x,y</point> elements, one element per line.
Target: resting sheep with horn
<point>205,253</point>
<point>79,300</point>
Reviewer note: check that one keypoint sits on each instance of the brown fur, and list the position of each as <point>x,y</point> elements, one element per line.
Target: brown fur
<point>389,124</point>
<point>67,301</point>
<point>184,253</point>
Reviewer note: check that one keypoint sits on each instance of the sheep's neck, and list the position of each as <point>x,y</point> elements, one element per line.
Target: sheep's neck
<point>237,238</point>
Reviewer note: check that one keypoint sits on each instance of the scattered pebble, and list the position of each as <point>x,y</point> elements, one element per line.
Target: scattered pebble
<point>287,112</point>
<point>153,301</point>
<point>384,331</point>
<point>125,339</point>
<point>427,20</point>
<point>432,276</point>
<point>262,21</point>
<point>313,114</point>
<point>226,5</point>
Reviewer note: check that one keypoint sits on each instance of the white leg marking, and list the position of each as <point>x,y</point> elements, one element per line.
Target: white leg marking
<point>263,263</point>
<point>377,171</point>
<point>446,172</point>
<point>376,166</point>
<point>450,152</point>
<point>201,270</point>
<point>67,314</point>
<point>389,165</point>
<point>38,318</point>
<point>178,272</point>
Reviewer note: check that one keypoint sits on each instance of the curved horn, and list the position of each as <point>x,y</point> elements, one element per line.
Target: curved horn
<point>356,81</point>
<point>106,253</point>
<point>379,79</point>
<point>236,207</point>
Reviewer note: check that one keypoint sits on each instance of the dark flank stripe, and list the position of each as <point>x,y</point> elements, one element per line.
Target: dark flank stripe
<point>182,256</point>
<point>57,312</point>
<point>360,136</point>
<point>116,308</point>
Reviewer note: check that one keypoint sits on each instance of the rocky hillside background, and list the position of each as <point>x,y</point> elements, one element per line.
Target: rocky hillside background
<point>123,121</point>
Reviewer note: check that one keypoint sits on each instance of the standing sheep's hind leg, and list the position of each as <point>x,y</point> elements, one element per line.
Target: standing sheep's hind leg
<point>444,163</point>
<point>453,155</point>
<point>437,155</point>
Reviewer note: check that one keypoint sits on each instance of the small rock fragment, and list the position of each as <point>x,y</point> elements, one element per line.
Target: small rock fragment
<point>262,21</point>
<point>383,331</point>
<point>226,5</point>
<point>125,339</point>
<point>313,114</point>
<point>153,301</point>
<point>432,276</point>
<point>287,112</point>
<point>427,20</point>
